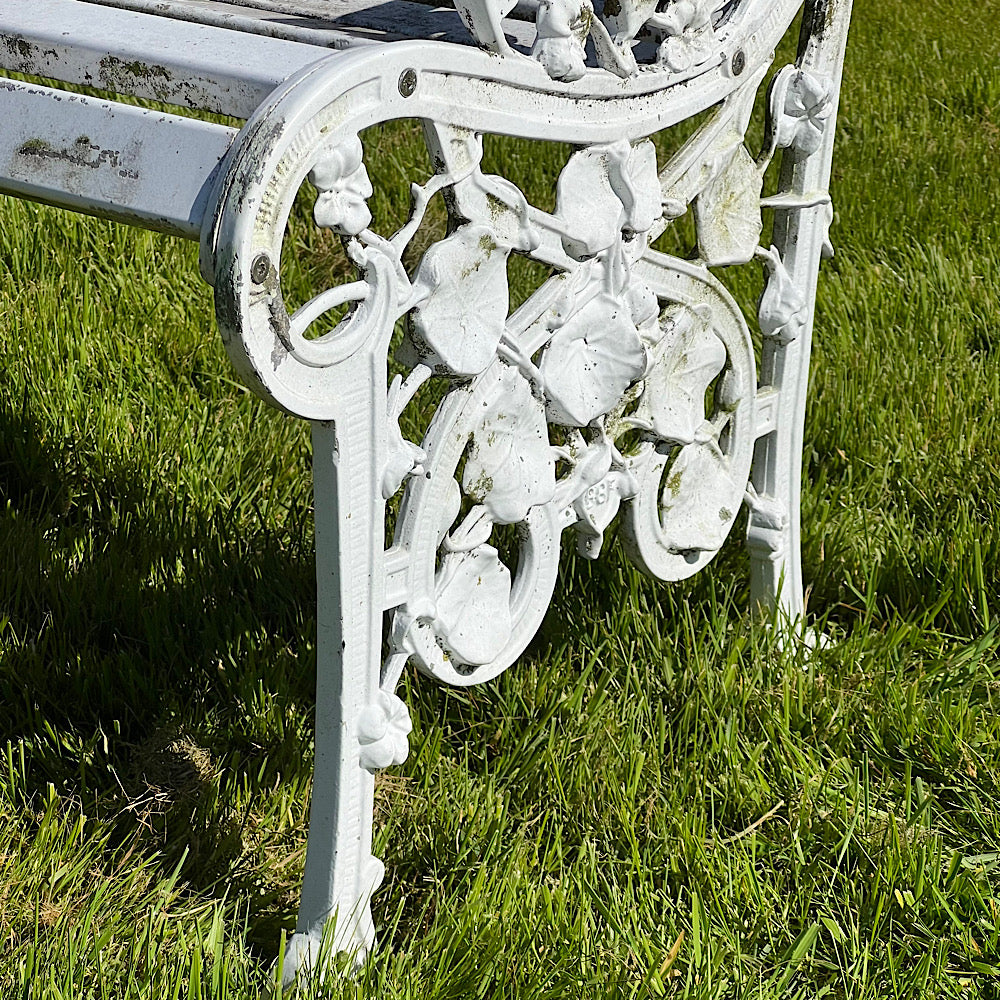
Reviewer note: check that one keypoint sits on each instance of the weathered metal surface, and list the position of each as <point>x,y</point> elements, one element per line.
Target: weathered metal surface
<point>626,383</point>
<point>803,128</point>
<point>625,386</point>
<point>331,23</point>
<point>142,167</point>
<point>176,62</point>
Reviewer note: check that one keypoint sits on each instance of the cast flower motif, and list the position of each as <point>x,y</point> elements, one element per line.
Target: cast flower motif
<point>383,729</point>
<point>563,26</point>
<point>344,187</point>
<point>684,16</point>
<point>801,103</point>
<point>690,36</point>
<point>782,310</point>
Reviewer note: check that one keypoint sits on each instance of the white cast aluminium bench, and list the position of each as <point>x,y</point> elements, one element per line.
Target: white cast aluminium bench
<point>627,385</point>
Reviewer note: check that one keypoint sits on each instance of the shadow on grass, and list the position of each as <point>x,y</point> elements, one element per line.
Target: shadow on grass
<point>154,654</point>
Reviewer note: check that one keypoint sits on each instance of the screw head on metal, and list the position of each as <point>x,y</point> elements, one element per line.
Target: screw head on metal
<point>260,269</point>
<point>739,62</point>
<point>407,82</point>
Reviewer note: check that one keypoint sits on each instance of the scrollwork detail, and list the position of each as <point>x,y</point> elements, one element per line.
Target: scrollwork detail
<point>623,388</point>
<point>626,383</point>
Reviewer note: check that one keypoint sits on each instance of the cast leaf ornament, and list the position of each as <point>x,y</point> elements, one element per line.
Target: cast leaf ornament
<point>511,466</point>
<point>461,288</point>
<point>592,358</point>
<point>604,191</point>
<point>685,362</point>
<point>727,211</point>
<point>472,601</point>
<point>698,480</point>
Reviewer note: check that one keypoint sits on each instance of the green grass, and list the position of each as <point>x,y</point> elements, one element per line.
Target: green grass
<point>656,801</point>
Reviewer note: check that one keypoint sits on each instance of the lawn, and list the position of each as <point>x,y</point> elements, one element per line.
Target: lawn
<point>657,800</point>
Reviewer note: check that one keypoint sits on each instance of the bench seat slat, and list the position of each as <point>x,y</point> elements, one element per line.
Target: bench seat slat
<point>120,162</point>
<point>332,23</point>
<point>158,58</point>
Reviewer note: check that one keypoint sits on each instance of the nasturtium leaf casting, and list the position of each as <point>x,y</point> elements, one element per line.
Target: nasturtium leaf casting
<point>643,203</point>
<point>699,499</point>
<point>587,205</point>
<point>685,362</point>
<point>591,360</point>
<point>473,605</point>
<point>511,467</point>
<point>603,190</point>
<point>462,281</point>
<point>728,212</point>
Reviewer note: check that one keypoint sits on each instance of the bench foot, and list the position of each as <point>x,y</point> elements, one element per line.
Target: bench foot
<point>308,957</point>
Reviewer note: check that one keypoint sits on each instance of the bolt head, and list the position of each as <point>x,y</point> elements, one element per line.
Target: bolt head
<point>407,82</point>
<point>739,62</point>
<point>260,269</point>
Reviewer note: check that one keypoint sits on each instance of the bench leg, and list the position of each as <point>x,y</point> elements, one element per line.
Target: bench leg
<point>802,218</point>
<point>773,527</point>
<point>341,874</point>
